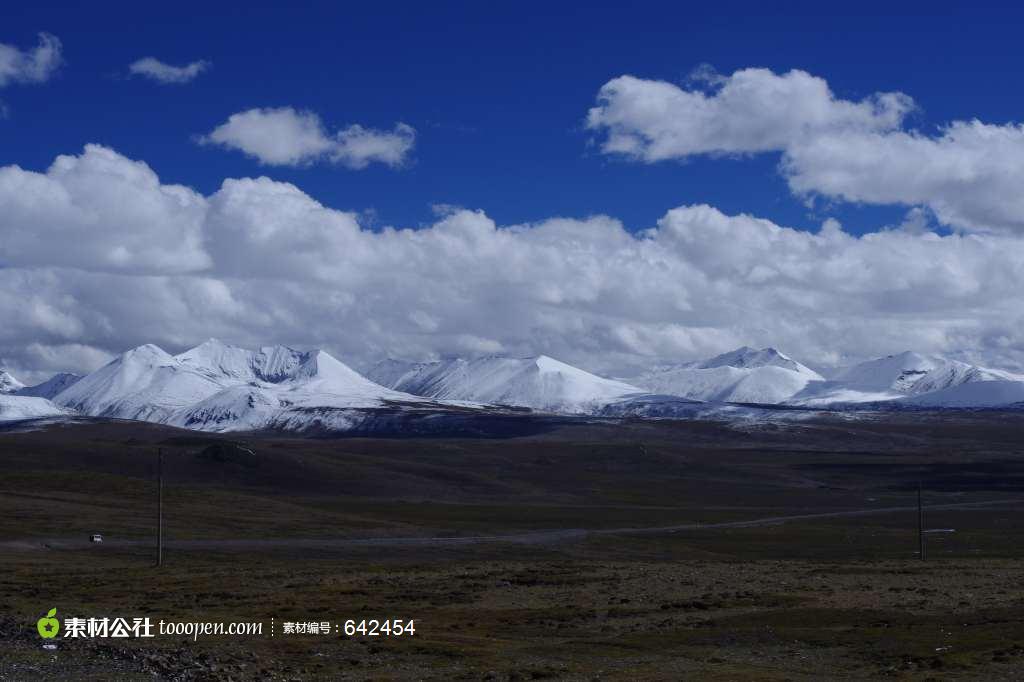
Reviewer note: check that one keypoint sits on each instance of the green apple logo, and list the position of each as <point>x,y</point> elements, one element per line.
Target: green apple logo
<point>48,626</point>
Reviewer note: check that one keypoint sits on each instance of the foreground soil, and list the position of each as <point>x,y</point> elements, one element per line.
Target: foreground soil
<point>581,586</point>
<point>505,615</point>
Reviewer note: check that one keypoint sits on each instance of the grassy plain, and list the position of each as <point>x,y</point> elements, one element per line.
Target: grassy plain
<point>527,558</point>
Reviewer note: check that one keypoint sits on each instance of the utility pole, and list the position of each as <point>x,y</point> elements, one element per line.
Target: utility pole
<point>160,508</point>
<point>920,524</point>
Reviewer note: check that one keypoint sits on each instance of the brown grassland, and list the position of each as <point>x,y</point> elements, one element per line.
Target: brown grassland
<point>590,550</point>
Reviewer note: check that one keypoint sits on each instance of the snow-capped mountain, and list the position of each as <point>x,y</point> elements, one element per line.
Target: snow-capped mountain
<point>18,402</point>
<point>17,407</point>
<point>52,386</point>
<point>394,373</point>
<point>297,388</point>
<point>291,371</point>
<point>746,357</point>
<point>8,384</point>
<point>767,376</point>
<point>911,373</point>
<point>144,383</point>
<point>540,383</point>
<point>219,387</point>
<point>745,375</point>
<point>972,394</point>
<point>270,364</point>
<point>897,376</point>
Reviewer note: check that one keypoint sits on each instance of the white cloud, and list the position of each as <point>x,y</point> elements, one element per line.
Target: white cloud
<point>154,69</point>
<point>47,360</point>
<point>100,211</point>
<point>754,110</point>
<point>274,224</point>
<point>260,261</point>
<point>287,137</point>
<point>357,147</point>
<point>276,137</point>
<point>969,174</point>
<point>30,66</point>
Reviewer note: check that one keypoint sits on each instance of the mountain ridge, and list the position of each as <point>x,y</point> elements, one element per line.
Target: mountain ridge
<point>538,382</point>
<point>219,387</point>
<point>215,386</point>
<point>898,375</point>
<point>51,387</point>
<point>744,375</point>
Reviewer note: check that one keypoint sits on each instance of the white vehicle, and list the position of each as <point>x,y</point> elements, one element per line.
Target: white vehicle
<point>95,537</point>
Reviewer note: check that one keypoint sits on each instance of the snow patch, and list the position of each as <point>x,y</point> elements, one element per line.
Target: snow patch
<point>16,408</point>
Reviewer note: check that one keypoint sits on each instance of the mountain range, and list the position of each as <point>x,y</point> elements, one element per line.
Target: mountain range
<point>219,387</point>
<point>905,377</point>
<point>216,387</point>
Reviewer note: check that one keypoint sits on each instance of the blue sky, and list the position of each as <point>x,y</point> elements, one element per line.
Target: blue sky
<point>496,92</point>
<point>903,116</point>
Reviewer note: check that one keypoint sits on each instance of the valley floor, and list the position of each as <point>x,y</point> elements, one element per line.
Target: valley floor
<point>642,550</point>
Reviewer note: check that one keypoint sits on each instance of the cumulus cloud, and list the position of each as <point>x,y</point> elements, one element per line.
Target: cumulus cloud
<point>154,69</point>
<point>278,226</point>
<point>287,137</point>
<point>969,173</point>
<point>970,176</point>
<point>99,255</point>
<point>30,66</point>
<point>100,211</point>
<point>754,110</point>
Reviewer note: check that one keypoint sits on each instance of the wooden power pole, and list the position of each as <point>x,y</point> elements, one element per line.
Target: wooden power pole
<point>160,508</point>
<point>920,524</point>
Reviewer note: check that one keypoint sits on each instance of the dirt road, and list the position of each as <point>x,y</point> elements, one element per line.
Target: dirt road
<point>542,537</point>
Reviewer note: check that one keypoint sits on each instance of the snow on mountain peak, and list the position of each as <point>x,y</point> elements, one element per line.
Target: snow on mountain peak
<point>747,357</point>
<point>147,353</point>
<point>971,394</point>
<point>220,387</point>
<point>216,386</point>
<point>142,383</point>
<point>904,374</point>
<point>277,385</point>
<point>323,369</point>
<point>912,373</point>
<point>52,386</point>
<point>548,364</point>
<point>746,375</point>
<point>540,382</point>
<point>272,364</point>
